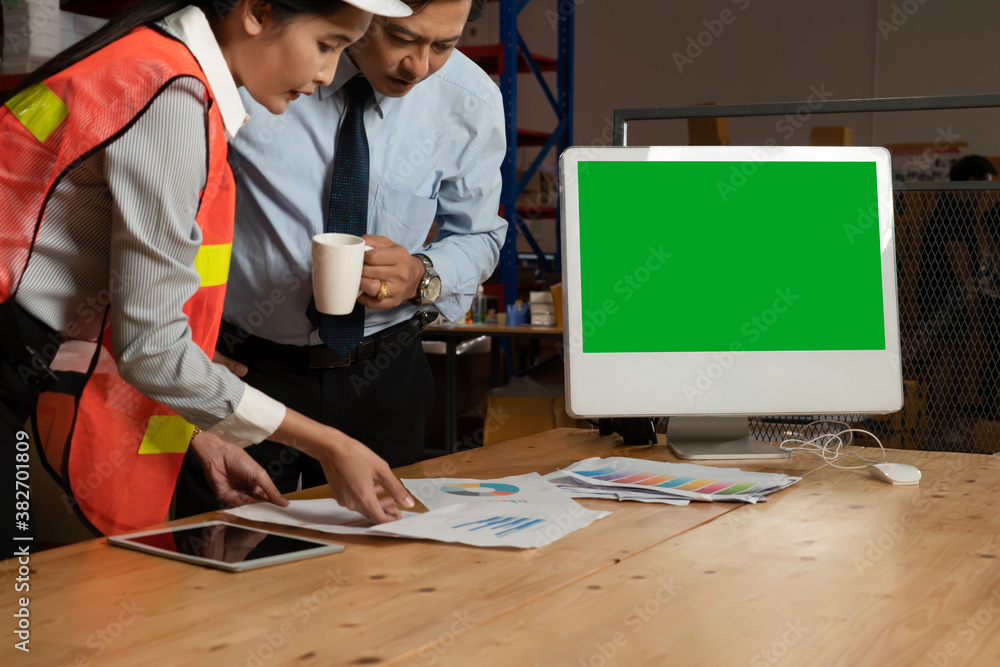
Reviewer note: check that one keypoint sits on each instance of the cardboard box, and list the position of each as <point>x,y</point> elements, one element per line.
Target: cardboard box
<point>708,131</point>
<point>512,416</point>
<point>557,300</point>
<point>832,136</point>
<point>543,308</point>
<point>539,297</point>
<point>540,192</point>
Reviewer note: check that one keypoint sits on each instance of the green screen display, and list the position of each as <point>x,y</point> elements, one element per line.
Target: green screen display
<point>716,256</point>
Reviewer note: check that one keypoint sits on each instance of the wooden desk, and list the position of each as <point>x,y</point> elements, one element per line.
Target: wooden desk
<point>451,333</point>
<point>836,570</point>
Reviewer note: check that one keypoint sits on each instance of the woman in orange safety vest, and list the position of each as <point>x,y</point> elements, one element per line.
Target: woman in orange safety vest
<point>116,222</point>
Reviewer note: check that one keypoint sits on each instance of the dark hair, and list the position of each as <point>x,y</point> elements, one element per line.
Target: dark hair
<point>475,11</point>
<point>150,11</point>
<point>971,168</point>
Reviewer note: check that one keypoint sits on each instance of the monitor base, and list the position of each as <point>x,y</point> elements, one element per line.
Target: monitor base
<point>709,438</point>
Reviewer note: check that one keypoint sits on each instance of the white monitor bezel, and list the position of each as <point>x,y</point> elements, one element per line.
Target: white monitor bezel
<point>645,384</point>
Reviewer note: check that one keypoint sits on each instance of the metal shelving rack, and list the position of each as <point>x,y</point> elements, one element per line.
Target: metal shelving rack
<point>507,60</point>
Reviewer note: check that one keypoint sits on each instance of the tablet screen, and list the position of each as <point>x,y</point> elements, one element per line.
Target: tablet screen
<point>224,545</point>
<point>228,543</point>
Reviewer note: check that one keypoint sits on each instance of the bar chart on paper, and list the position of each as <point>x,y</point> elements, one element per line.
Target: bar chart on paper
<point>541,521</point>
<point>480,489</point>
<point>501,526</point>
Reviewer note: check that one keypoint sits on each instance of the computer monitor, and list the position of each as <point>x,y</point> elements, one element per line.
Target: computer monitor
<point>708,281</point>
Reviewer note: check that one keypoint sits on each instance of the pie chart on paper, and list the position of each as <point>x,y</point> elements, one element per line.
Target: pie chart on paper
<point>480,490</point>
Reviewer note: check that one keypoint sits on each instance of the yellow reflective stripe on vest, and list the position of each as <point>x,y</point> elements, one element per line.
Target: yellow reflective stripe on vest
<point>38,109</point>
<point>212,263</point>
<point>166,434</point>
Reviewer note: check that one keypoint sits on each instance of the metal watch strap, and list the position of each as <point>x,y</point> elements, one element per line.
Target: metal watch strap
<point>421,286</point>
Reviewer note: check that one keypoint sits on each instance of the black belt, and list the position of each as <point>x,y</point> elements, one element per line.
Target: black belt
<point>320,356</point>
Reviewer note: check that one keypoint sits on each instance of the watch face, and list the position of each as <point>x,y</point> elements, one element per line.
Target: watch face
<point>432,290</point>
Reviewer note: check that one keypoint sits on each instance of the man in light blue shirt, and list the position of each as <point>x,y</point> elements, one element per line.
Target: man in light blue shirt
<point>435,132</point>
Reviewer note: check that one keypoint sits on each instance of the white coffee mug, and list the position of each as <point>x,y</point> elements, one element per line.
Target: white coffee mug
<point>337,260</point>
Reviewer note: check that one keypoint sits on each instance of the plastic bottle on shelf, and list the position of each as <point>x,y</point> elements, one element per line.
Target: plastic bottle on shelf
<point>479,307</point>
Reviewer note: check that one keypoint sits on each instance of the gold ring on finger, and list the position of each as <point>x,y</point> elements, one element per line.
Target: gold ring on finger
<point>384,291</point>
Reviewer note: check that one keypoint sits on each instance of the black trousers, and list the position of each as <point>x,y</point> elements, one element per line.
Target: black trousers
<point>383,401</point>
<point>18,398</point>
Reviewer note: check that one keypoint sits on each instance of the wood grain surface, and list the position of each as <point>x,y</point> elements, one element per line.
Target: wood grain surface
<point>838,569</point>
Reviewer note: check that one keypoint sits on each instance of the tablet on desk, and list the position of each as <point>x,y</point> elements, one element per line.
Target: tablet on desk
<point>224,545</point>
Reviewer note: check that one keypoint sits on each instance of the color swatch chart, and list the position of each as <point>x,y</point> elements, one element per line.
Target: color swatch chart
<point>684,480</point>
<point>704,485</point>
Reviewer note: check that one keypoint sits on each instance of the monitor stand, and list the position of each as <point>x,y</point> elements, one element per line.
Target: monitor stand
<point>717,438</point>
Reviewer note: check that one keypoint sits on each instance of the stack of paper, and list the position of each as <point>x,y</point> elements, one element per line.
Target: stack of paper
<point>523,511</point>
<point>638,479</point>
<point>325,515</point>
<point>488,524</point>
<point>578,488</point>
<point>32,34</point>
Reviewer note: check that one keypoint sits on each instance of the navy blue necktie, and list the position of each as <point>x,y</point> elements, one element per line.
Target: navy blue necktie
<point>348,212</point>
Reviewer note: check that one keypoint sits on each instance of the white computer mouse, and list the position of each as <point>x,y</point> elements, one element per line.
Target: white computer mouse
<point>895,473</point>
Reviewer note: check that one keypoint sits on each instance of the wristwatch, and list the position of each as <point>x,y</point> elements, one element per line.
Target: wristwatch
<point>429,288</point>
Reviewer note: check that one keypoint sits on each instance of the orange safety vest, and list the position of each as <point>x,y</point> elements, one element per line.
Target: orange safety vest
<point>116,453</point>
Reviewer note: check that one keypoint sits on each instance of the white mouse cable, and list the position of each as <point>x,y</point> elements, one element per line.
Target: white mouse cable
<point>828,446</point>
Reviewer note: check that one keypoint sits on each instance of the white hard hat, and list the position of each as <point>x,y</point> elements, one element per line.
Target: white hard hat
<point>393,8</point>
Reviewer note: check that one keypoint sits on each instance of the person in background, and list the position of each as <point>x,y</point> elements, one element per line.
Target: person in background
<point>117,207</point>
<point>948,302</point>
<point>988,284</point>
<point>429,126</point>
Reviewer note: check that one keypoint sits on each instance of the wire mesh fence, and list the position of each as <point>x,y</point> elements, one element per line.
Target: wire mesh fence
<point>949,321</point>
